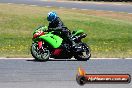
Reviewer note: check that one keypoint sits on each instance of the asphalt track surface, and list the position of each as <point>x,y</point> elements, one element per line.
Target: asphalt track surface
<point>26,73</point>
<point>61,73</point>
<point>84,6</point>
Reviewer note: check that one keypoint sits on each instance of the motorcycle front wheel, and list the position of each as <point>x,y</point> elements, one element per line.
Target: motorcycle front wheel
<point>42,54</point>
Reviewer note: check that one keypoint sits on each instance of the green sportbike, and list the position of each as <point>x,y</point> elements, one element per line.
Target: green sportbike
<point>48,44</point>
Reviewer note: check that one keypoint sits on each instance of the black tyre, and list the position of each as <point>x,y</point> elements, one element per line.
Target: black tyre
<point>85,54</point>
<point>40,55</point>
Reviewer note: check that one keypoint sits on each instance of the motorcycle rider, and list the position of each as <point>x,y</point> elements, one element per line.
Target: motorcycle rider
<point>56,24</point>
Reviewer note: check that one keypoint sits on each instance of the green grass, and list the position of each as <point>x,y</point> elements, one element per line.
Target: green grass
<point>107,36</point>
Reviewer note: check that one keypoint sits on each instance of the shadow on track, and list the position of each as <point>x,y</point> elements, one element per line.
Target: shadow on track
<point>54,60</point>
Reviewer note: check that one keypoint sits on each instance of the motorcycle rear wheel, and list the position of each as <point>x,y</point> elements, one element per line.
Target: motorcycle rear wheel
<point>42,55</point>
<point>85,54</point>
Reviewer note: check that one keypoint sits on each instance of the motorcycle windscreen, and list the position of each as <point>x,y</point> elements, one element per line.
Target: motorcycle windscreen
<point>54,40</point>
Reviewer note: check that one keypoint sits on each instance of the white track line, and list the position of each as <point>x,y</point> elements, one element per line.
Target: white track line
<point>111,11</point>
<point>10,3</point>
<point>128,58</point>
<point>16,58</point>
<point>84,9</point>
<point>129,13</point>
<point>73,8</point>
<point>52,58</point>
<point>48,6</point>
<point>61,7</point>
<point>32,5</point>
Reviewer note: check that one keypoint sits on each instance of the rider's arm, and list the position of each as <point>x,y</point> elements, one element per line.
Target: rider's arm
<point>60,23</point>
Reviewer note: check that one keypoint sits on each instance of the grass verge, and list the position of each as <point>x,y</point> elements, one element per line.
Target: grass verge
<point>109,33</point>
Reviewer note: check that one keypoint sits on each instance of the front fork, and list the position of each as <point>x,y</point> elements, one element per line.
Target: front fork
<point>40,44</point>
<point>40,48</point>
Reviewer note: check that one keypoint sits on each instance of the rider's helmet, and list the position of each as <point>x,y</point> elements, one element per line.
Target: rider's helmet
<point>51,16</point>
